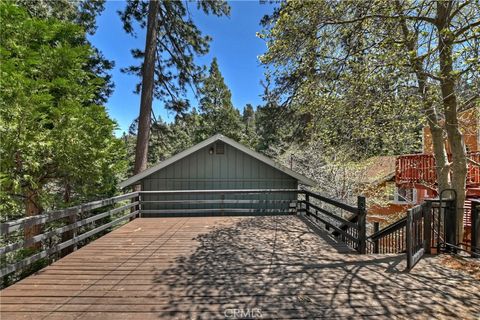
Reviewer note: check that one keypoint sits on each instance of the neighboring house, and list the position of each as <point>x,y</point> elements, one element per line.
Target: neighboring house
<point>386,201</point>
<point>407,180</point>
<point>416,173</point>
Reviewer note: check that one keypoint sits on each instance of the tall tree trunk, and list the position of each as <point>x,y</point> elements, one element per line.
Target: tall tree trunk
<point>442,167</point>
<point>32,208</point>
<point>141,150</point>
<point>447,86</point>
<point>438,141</point>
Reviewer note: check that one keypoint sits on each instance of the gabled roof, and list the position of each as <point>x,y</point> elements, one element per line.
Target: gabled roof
<point>377,170</point>
<point>132,180</point>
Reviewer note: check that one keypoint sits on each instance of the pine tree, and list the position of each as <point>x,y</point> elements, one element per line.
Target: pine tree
<point>249,124</point>
<point>172,42</point>
<point>218,113</point>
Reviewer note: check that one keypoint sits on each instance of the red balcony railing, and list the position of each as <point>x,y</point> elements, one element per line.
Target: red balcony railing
<point>415,169</point>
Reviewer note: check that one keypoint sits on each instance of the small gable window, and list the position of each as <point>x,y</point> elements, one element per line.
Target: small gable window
<point>220,147</point>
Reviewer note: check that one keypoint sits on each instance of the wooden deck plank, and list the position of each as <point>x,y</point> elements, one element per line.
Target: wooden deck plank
<point>207,266</point>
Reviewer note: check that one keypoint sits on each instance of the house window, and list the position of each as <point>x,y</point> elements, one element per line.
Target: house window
<point>405,195</point>
<point>390,191</point>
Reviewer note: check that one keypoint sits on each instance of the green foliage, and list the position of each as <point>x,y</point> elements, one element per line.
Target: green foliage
<point>179,42</point>
<point>53,132</point>
<point>332,80</point>
<point>345,69</point>
<point>82,13</point>
<point>218,114</point>
<point>250,137</point>
<point>275,125</point>
<point>25,272</point>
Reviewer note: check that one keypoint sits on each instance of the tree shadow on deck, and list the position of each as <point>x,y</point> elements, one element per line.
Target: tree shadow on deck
<point>280,267</point>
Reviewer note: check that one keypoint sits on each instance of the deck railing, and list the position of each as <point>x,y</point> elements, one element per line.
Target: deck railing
<point>395,237</point>
<point>89,219</point>
<point>475,232</point>
<point>75,226</point>
<point>390,239</point>
<point>427,228</point>
<point>347,223</point>
<point>420,169</point>
<point>218,202</point>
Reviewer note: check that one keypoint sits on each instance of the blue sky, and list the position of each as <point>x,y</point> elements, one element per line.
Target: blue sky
<point>234,44</point>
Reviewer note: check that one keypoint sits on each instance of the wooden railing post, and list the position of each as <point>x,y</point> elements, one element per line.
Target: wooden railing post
<point>427,226</point>
<point>376,228</point>
<point>139,207</point>
<point>75,230</point>
<point>362,225</point>
<point>475,229</point>
<point>307,203</point>
<point>409,239</point>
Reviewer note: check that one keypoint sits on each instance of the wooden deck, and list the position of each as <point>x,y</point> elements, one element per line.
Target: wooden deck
<point>235,267</point>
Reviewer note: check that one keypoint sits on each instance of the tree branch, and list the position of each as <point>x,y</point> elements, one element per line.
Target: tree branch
<point>466,28</point>
<point>372,16</point>
<point>460,7</point>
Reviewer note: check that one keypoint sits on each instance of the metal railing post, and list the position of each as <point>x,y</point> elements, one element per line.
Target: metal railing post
<point>475,242</point>
<point>362,225</point>
<point>427,226</point>
<point>409,239</point>
<point>376,228</point>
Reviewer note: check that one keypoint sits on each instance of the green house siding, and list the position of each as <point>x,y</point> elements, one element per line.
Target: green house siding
<point>201,170</point>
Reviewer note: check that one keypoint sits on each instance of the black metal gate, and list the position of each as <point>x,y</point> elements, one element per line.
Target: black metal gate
<point>417,233</point>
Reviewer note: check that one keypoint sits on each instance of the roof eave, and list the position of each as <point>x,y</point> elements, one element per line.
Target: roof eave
<point>300,178</point>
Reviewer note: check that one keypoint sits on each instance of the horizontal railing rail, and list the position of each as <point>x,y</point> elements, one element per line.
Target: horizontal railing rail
<point>336,203</point>
<point>390,239</point>
<point>347,223</point>
<point>219,202</point>
<point>67,228</point>
<point>397,225</point>
<point>220,191</point>
<point>14,239</point>
<point>420,169</point>
<point>10,226</point>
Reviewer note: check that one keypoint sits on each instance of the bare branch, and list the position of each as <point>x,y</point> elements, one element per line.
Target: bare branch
<point>466,28</point>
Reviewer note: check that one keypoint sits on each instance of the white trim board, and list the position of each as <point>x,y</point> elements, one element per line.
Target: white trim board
<point>218,137</point>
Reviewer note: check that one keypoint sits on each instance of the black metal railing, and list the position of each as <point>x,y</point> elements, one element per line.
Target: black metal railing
<point>345,222</point>
<point>428,228</point>
<point>431,232</point>
<point>475,229</point>
<point>390,239</point>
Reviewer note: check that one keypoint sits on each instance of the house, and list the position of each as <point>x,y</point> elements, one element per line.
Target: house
<point>386,202</point>
<point>407,180</point>
<point>217,176</point>
<point>416,173</point>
